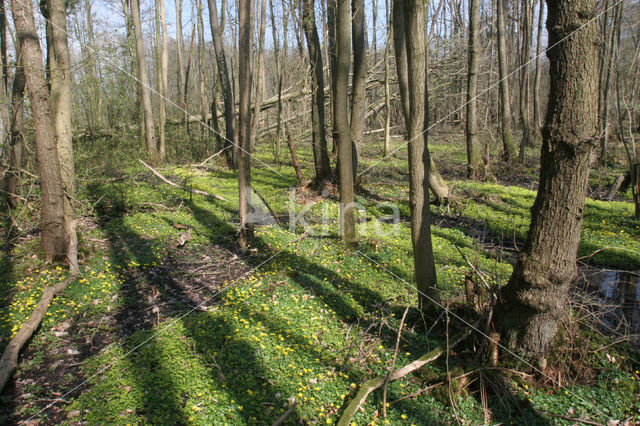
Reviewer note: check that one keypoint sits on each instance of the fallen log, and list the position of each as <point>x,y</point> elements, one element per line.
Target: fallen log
<point>175,185</point>
<point>373,384</point>
<point>9,360</point>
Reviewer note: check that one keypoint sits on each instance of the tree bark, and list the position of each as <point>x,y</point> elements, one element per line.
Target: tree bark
<point>474,148</point>
<point>16,141</point>
<point>244,123</point>
<point>143,76</point>
<point>438,186</point>
<point>255,118</point>
<point>387,86</point>
<point>180,55</point>
<point>223,74</point>
<point>537,113</point>
<point>359,81</point>
<point>533,301</point>
<point>163,50</point>
<point>508,147</point>
<point>276,53</point>
<point>333,63</point>
<point>319,139</point>
<point>341,125</point>
<point>415,26</point>
<point>525,54</point>
<point>53,233</point>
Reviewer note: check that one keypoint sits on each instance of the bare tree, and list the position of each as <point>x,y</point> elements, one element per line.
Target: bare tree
<point>359,80</point>
<point>162,46</point>
<point>53,233</point>
<point>225,83</point>
<point>319,140</point>
<point>257,102</point>
<point>143,78</point>
<point>179,52</point>
<point>533,301</point>
<point>474,148</point>
<point>341,125</point>
<point>16,140</point>
<point>414,14</point>
<point>508,147</point>
<point>244,122</point>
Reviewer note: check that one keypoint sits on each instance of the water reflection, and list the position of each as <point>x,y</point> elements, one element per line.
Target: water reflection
<point>617,298</point>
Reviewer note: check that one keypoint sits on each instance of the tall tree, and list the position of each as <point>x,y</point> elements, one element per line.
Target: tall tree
<point>61,103</point>
<point>257,103</point>
<point>53,233</point>
<point>143,79</point>
<point>225,83</point>
<point>533,301</point>
<point>508,147</point>
<point>537,114</point>
<point>319,140</point>
<point>16,141</point>
<point>162,45</point>
<point>359,80</point>
<point>180,54</point>
<point>438,186</point>
<point>525,56</point>
<point>341,125</point>
<point>244,122</point>
<point>474,148</point>
<point>414,13</point>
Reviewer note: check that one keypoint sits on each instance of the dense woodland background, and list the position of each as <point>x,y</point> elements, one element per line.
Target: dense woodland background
<point>270,209</point>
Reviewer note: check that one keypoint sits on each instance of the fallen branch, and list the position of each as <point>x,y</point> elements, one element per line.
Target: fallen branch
<point>213,156</point>
<point>9,360</point>
<point>275,216</point>
<point>175,185</point>
<point>285,415</point>
<point>571,419</point>
<point>373,384</point>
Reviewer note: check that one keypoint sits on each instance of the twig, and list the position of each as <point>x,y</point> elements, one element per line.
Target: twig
<point>373,384</point>
<point>175,185</point>
<point>275,217</point>
<point>393,365</point>
<point>285,415</point>
<point>212,156</point>
<point>571,419</point>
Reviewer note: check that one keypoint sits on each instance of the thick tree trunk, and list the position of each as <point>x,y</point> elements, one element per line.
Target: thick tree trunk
<point>149,131</point>
<point>341,125</point>
<point>474,148</point>
<point>438,186</point>
<point>533,301</point>
<point>319,139</point>
<point>333,64</point>
<point>276,53</point>
<point>244,123</point>
<point>508,147</point>
<point>359,81</point>
<point>202,76</point>
<point>223,74</point>
<point>61,103</point>
<point>415,26</point>
<point>53,233</point>
<point>387,85</point>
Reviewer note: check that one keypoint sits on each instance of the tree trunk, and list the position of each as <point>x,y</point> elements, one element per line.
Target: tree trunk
<point>149,131</point>
<point>180,59</point>
<point>508,147</point>
<point>474,148</point>
<point>223,74</point>
<point>319,139</point>
<point>359,81</point>
<point>202,77</point>
<point>438,186</point>
<point>525,55</point>
<point>294,158</point>
<point>276,53</point>
<point>341,125</point>
<point>333,63</point>
<point>387,86</point>
<point>259,74</point>
<point>537,113</point>
<point>533,301</point>
<point>415,15</point>
<point>244,123</point>
<point>61,103</point>
<point>163,50</point>
<point>16,141</point>
<point>53,233</point>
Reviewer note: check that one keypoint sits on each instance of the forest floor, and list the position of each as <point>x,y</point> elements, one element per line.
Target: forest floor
<point>171,323</point>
